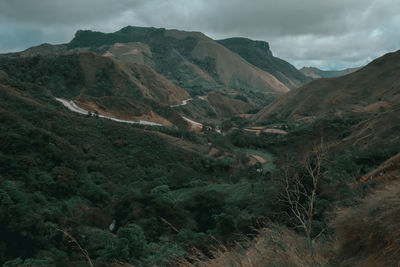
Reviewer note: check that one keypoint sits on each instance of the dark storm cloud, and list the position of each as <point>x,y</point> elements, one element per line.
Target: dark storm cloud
<point>324,33</point>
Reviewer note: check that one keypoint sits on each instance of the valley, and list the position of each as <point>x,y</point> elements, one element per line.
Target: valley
<point>198,152</point>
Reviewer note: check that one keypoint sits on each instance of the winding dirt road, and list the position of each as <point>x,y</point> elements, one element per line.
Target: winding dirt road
<point>73,107</point>
<point>184,103</point>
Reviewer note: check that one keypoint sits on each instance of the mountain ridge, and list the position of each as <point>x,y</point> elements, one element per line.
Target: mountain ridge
<point>316,73</point>
<point>259,54</point>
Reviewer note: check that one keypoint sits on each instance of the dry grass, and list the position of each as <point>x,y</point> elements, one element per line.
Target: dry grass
<point>369,234</point>
<point>274,246</point>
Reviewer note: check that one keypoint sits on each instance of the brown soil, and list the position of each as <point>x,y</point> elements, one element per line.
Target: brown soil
<point>259,158</point>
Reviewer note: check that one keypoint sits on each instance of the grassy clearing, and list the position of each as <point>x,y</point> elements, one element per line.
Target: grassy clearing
<point>269,166</point>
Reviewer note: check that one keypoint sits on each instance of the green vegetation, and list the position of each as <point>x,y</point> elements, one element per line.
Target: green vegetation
<point>77,189</point>
<point>60,170</point>
<point>60,74</point>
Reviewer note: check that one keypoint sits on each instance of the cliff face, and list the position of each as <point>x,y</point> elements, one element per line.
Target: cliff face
<point>259,54</point>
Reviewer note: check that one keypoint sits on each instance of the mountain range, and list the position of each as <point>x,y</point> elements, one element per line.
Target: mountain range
<point>186,64</point>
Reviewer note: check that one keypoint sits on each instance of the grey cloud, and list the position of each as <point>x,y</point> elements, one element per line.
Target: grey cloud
<point>60,12</point>
<point>324,33</point>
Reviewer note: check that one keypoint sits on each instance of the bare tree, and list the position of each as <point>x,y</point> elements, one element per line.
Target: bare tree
<point>300,197</point>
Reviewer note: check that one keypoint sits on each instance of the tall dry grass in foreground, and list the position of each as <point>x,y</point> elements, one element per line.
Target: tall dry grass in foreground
<point>369,234</point>
<point>274,246</point>
<point>365,235</point>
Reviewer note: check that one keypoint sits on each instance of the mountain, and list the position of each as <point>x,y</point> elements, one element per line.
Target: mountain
<point>126,91</point>
<point>190,60</point>
<point>316,73</point>
<point>370,89</point>
<point>362,108</point>
<point>259,54</point>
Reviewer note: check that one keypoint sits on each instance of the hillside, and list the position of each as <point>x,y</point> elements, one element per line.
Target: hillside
<point>360,109</point>
<point>309,180</point>
<point>374,88</point>
<point>124,193</point>
<point>259,54</point>
<point>363,234</point>
<point>104,85</point>
<point>190,60</point>
<point>316,73</point>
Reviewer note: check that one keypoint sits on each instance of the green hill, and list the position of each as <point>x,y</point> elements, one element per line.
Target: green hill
<point>100,84</point>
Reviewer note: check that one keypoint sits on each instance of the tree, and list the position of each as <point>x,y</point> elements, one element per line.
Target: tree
<point>300,191</point>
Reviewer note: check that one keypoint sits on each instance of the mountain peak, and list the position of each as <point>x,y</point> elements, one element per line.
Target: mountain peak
<point>259,54</point>
<point>241,41</point>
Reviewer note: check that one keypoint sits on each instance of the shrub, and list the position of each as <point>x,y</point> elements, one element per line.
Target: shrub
<point>133,238</point>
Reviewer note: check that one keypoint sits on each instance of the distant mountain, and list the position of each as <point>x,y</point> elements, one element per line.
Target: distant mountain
<point>316,73</point>
<point>259,54</point>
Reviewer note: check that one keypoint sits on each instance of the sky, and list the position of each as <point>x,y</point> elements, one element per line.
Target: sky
<point>328,34</point>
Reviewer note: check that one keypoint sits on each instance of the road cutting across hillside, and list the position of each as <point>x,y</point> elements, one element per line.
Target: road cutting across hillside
<point>75,108</point>
<point>70,104</point>
<point>184,103</point>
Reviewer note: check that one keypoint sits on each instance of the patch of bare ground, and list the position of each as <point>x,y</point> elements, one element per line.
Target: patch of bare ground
<point>259,158</point>
<point>259,129</point>
<point>245,115</point>
<point>127,110</point>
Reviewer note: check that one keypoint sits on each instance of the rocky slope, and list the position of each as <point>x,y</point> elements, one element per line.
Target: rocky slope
<point>259,54</point>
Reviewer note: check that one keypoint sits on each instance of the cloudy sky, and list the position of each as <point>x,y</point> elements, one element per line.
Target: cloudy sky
<point>330,34</point>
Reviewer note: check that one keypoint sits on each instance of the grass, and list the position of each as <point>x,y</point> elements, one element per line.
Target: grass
<point>273,246</point>
<point>368,235</point>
